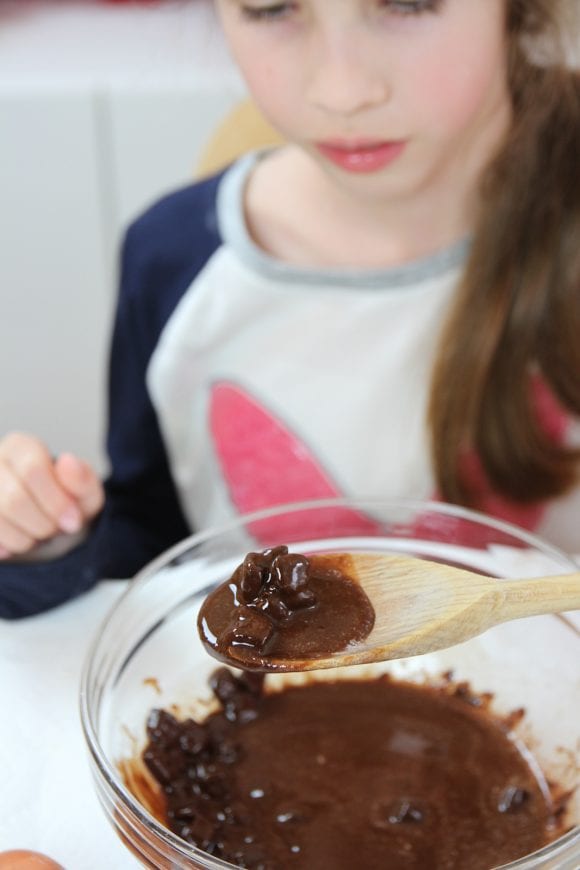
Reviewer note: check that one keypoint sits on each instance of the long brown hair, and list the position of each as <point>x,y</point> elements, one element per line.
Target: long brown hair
<point>517,313</point>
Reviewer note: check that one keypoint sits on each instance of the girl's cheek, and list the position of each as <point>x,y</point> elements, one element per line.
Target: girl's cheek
<point>270,90</point>
<point>454,94</point>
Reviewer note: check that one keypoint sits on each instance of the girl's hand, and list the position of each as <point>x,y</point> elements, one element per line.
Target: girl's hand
<point>41,497</point>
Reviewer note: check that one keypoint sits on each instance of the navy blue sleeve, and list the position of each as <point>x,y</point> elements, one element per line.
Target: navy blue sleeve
<point>163,252</point>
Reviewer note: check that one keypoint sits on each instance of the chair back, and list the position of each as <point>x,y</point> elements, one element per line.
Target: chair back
<point>243,129</point>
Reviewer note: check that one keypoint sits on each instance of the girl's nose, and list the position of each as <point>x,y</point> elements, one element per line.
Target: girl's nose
<point>343,81</point>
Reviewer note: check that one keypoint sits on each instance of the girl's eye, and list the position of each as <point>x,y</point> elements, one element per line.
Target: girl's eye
<point>412,7</point>
<point>279,10</point>
<point>268,13</point>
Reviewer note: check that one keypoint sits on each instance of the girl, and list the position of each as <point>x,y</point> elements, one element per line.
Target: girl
<point>386,306</point>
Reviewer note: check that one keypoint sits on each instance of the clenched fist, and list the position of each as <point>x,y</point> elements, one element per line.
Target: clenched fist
<point>41,497</point>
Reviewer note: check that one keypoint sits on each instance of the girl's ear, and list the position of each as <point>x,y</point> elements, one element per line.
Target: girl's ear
<point>243,129</point>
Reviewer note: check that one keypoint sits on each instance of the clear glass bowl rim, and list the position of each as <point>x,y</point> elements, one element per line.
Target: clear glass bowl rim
<point>552,851</point>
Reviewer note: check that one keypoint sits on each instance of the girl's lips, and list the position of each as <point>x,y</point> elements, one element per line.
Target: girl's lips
<point>361,156</point>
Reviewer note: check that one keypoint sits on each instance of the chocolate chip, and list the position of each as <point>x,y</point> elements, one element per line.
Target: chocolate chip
<point>300,599</point>
<point>249,580</point>
<point>162,727</point>
<point>183,814</point>
<point>272,553</point>
<point>251,628</point>
<point>290,572</point>
<point>274,583</point>
<point>242,710</point>
<point>276,608</point>
<point>193,738</point>
<point>228,752</point>
<point>223,684</point>
<point>512,799</point>
<point>158,767</point>
<point>400,812</point>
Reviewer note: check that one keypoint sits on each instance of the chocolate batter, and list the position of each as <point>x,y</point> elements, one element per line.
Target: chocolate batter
<point>279,605</point>
<point>349,774</point>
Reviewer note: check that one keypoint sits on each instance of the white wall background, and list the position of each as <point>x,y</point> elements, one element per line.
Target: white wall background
<point>102,109</point>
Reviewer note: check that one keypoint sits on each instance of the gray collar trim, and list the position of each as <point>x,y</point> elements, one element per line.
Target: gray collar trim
<point>234,232</point>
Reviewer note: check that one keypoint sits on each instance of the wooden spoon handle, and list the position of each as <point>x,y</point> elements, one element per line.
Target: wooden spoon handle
<point>540,595</point>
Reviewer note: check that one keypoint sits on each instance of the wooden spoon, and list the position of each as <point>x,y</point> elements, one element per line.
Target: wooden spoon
<point>422,606</point>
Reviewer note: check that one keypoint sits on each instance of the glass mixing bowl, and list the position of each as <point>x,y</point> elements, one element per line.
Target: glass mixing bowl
<point>147,653</point>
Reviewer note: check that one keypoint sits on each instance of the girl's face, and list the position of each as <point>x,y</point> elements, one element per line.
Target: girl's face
<point>388,96</point>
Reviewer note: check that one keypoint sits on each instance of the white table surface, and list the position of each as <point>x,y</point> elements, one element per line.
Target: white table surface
<point>47,799</point>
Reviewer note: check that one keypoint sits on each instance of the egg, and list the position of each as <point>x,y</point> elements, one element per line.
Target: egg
<point>22,859</point>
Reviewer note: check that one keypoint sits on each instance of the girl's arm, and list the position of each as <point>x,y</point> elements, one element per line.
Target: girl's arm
<point>163,252</point>
<point>140,516</point>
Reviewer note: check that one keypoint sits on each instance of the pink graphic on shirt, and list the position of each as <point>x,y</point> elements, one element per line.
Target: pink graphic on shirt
<point>264,464</point>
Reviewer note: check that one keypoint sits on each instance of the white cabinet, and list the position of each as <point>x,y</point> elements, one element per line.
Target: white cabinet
<point>102,110</point>
<point>54,271</point>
